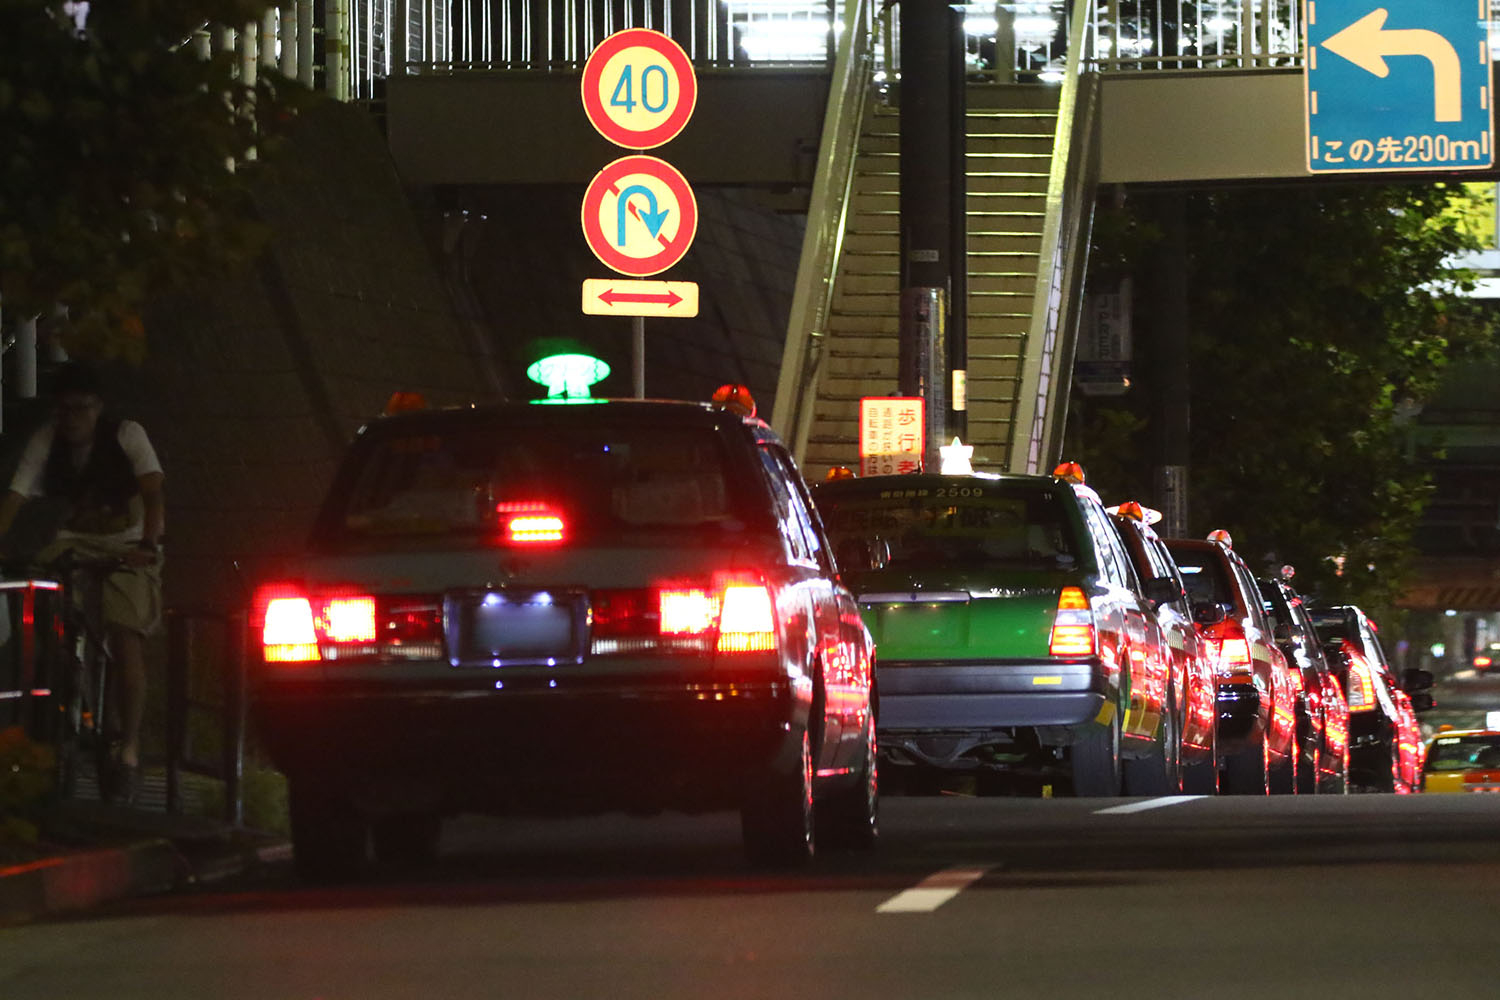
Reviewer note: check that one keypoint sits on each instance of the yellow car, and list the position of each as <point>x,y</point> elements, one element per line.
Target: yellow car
<point>1463,761</point>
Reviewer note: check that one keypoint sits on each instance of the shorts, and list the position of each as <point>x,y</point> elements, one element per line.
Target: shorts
<point>132,595</point>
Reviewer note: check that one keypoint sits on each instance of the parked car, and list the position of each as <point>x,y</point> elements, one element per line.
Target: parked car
<point>1462,761</point>
<point>1322,714</point>
<point>1191,690</point>
<point>1379,722</point>
<point>1256,695</point>
<point>566,609</point>
<point>1014,642</point>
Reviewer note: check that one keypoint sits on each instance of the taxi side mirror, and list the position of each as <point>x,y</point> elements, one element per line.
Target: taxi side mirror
<point>1422,701</point>
<point>857,555</point>
<point>1416,679</point>
<point>1208,613</point>
<point>1162,590</point>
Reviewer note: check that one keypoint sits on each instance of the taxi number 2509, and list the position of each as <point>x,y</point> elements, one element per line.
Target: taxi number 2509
<point>959,491</point>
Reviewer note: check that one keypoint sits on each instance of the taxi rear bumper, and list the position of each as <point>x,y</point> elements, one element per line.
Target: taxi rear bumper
<point>532,746</point>
<point>938,696</point>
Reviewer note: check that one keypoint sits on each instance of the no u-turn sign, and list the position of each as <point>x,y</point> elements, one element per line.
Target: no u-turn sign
<point>639,215</point>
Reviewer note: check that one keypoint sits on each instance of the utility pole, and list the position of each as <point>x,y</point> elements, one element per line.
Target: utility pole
<point>1171,409</point>
<point>928,241</point>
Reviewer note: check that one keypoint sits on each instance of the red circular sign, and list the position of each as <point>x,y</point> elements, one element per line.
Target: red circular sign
<point>639,215</point>
<point>639,89</point>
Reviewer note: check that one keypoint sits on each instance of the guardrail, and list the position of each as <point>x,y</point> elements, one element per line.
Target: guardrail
<point>205,689</point>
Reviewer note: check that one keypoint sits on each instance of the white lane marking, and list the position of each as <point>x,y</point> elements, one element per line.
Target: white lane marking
<point>933,891</point>
<point>1135,807</point>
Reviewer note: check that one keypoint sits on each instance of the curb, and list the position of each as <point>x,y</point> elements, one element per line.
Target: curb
<point>86,879</point>
<point>80,881</point>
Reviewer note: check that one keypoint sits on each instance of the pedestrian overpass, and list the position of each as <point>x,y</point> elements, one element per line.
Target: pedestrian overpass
<point>802,97</point>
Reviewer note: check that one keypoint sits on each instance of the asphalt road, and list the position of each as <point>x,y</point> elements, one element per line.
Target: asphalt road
<point>1364,896</point>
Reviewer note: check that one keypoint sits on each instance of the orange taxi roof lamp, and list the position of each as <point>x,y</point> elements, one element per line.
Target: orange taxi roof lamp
<point>1221,536</point>
<point>736,398</point>
<point>404,402</point>
<point>1070,471</point>
<point>839,472</point>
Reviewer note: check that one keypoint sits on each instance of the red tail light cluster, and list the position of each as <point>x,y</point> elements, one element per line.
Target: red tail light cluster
<point>1228,646</point>
<point>301,626</point>
<point>530,523</point>
<point>1073,627</point>
<point>731,613</point>
<point>1360,687</point>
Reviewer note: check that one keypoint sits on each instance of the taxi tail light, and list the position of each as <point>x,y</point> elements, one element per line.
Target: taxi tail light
<point>1230,648</point>
<point>1073,627</point>
<point>1361,684</point>
<point>733,611</point>
<point>283,613</point>
<point>298,626</point>
<point>530,523</point>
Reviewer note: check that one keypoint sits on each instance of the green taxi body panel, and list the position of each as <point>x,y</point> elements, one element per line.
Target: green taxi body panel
<point>1005,615</point>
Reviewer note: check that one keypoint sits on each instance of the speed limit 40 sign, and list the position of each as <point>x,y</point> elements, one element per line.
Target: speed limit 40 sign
<point>639,89</point>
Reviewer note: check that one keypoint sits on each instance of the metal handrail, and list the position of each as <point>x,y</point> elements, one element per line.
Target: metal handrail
<point>823,239</point>
<point>1063,255</point>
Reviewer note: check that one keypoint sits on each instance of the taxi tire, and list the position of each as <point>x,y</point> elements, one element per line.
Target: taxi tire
<point>1096,762</point>
<point>849,819</point>
<point>1307,773</point>
<point>406,840</point>
<point>1247,772</point>
<point>329,836</point>
<point>1160,771</point>
<point>1281,775</point>
<point>776,820</point>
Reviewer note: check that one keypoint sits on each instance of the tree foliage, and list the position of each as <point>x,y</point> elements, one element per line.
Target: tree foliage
<point>1321,319</point>
<point>127,158</point>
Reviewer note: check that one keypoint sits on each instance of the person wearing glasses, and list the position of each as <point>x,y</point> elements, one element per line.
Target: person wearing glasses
<point>106,478</point>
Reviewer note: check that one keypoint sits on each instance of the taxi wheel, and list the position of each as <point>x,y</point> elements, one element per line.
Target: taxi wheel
<point>1282,776</point>
<point>850,817</point>
<point>407,840</point>
<point>1160,771</point>
<point>1246,772</point>
<point>1307,772</point>
<point>328,834</point>
<point>776,821</point>
<point>1096,762</point>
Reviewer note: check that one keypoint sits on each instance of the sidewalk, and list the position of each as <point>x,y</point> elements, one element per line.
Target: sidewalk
<point>92,852</point>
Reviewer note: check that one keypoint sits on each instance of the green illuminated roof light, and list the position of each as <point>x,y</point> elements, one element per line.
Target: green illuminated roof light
<point>568,376</point>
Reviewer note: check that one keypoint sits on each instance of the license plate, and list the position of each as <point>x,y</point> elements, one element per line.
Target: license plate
<point>515,627</point>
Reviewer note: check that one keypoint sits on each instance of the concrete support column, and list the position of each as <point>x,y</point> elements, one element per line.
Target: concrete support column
<point>289,35</point>
<point>269,37</point>
<point>305,66</point>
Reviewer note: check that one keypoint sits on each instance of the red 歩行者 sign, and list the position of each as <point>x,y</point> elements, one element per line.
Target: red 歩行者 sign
<point>891,432</point>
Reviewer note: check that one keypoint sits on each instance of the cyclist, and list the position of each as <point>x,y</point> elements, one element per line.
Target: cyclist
<point>107,478</point>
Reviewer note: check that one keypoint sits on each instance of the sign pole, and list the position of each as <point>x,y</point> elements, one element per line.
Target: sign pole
<point>638,354</point>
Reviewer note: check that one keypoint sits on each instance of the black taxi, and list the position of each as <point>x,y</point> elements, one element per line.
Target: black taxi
<point>566,609</point>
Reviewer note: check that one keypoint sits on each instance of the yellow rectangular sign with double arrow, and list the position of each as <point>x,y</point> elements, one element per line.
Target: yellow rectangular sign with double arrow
<point>623,297</point>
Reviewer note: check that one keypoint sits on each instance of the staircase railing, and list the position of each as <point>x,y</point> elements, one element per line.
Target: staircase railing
<point>1046,373</point>
<point>823,240</point>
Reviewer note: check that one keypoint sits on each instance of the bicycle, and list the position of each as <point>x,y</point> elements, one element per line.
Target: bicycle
<point>78,726</point>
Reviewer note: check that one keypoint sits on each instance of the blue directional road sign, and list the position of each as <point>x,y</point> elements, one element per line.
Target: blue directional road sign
<point>1398,85</point>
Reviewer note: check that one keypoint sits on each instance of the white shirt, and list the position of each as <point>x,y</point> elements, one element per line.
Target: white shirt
<point>143,461</point>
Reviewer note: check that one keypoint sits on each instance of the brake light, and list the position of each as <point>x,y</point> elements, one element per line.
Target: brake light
<point>747,623</point>
<point>301,626</point>
<point>349,619</point>
<point>287,634</point>
<point>1073,627</point>
<point>530,523</point>
<point>1230,647</point>
<point>732,613</point>
<point>1361,683</point>
<point>687,611</point>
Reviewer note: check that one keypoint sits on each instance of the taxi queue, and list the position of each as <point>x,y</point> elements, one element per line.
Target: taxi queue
<point>1181,667</point>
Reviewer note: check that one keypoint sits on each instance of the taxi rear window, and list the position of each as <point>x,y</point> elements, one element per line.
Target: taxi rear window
<point>966,524</point>
<point>1464,753</point>
<point>427,482</point>
<point>1204,576</point>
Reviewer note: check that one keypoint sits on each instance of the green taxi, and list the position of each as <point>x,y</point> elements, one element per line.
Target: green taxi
<point>1013,640</point>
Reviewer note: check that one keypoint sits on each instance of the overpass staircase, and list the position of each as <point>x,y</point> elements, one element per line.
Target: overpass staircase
<point>1031,167</point>
<point>1010,132</point>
